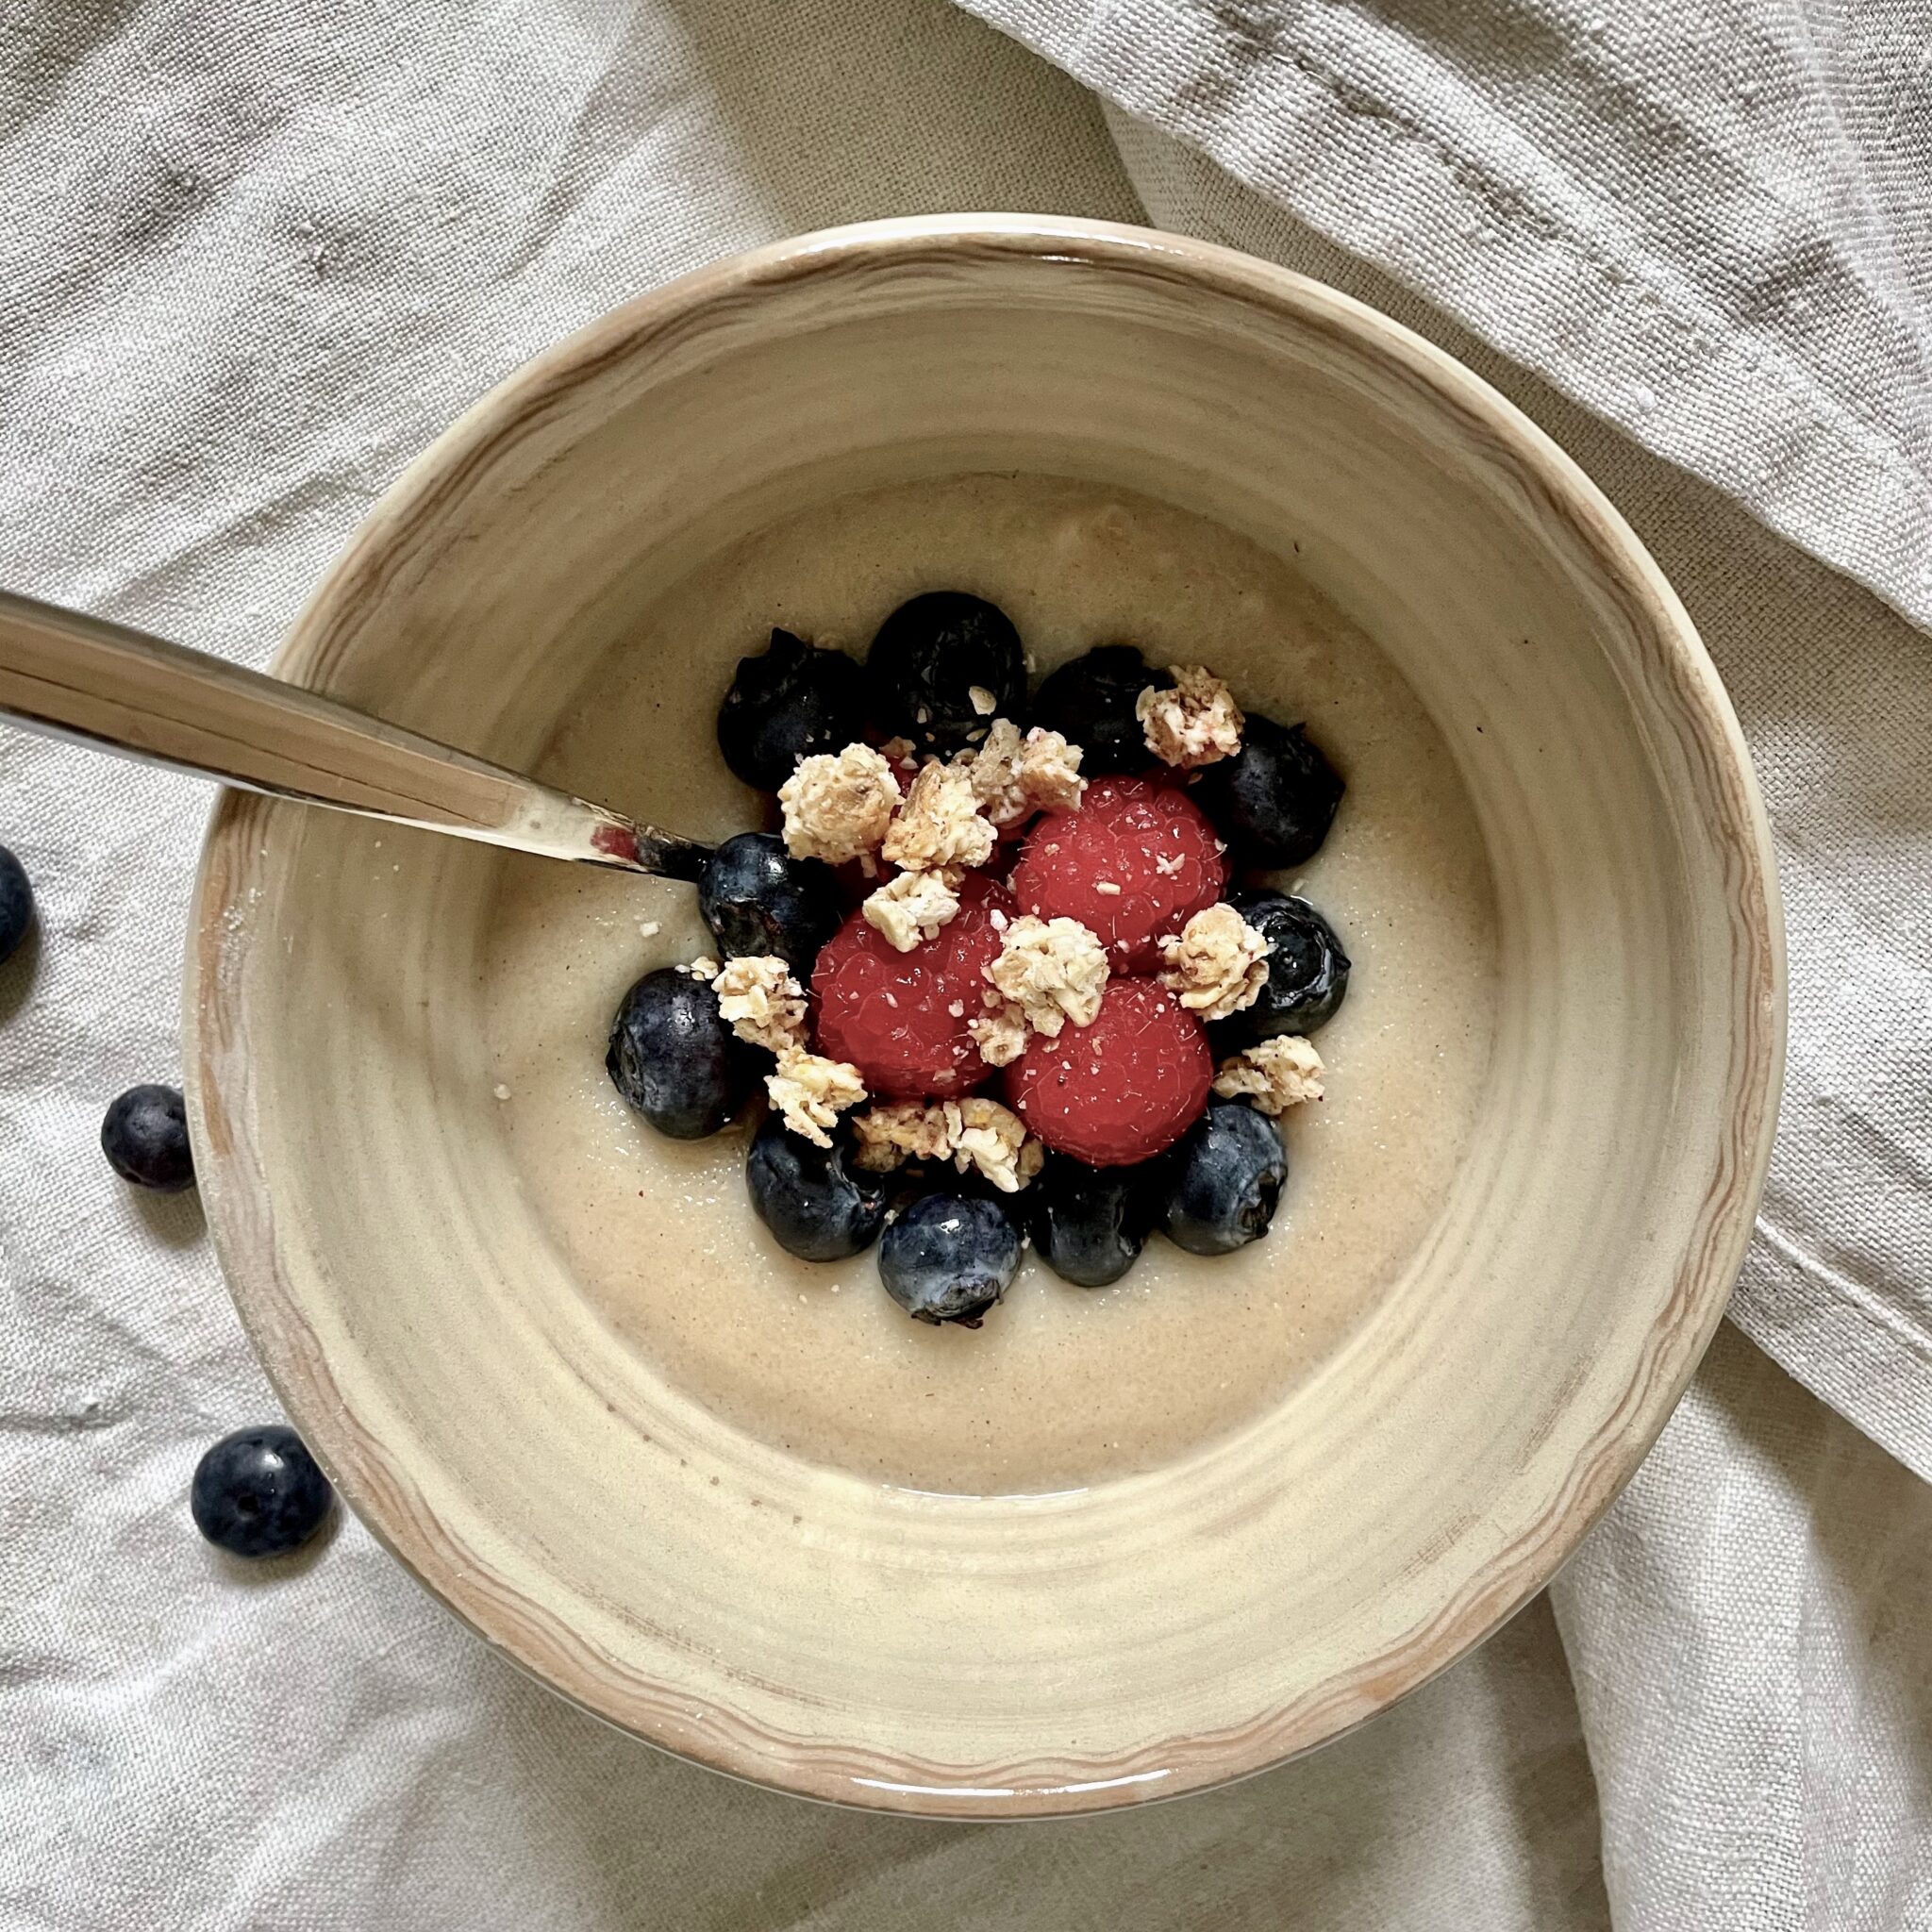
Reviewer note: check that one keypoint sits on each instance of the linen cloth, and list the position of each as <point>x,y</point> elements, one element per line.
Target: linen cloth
<point>255,257</point>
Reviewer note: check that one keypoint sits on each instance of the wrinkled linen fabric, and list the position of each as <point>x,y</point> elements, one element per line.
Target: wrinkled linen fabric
<point>1753,1669</point>
<point>254,258</point>
<point>1710,222</point>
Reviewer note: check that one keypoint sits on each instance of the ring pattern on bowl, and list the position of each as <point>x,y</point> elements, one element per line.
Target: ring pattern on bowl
<point>1140,1637</point>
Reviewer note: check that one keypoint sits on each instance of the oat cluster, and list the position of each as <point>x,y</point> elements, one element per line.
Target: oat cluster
<point>994,1140</point>
<point>1216,964</point>
<point>1014,776</point>
<point>808,1092</point>
<point>1052,970</point>
<point>1194,722</point>
<point>762,1002</point>
<point>1000,1033</point>
<point>1277,1074</point>
<point>913,906</point>
<point>974,1134</point>
<point>894,1131</point>
<point>940,824</point>
<point>838,806</point>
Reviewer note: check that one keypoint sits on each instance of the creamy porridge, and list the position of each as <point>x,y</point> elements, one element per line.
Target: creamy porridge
<point>1062,1385</point>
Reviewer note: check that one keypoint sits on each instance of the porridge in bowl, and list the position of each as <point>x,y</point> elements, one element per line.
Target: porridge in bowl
<point>998,1039</point>
<point>736,1501</point>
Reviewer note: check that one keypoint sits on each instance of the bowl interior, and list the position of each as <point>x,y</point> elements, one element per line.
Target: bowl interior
<point>1130,1638</point>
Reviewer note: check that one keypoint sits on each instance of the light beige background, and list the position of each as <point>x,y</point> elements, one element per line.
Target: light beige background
<point>256,258</point>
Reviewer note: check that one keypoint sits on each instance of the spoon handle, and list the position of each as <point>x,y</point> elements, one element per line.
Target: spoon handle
<point>83,677</point>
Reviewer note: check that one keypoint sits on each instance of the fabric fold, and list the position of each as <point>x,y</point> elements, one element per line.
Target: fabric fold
<point>1706,223</point>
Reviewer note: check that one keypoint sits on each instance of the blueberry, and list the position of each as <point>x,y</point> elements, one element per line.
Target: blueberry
<point>818,1206</point>
<point>674,1060</point>
<point>1089,701</point>
<point>258,1492</point>
<point>145,1138</point>
<point>758,899</point>
<point>16,904</point>
<point>1274,800</point>
<point>1227,1175</point>
<point>1090,1224</point>
<point>1307,972</point>
<point>949,1258</point>
<point>787,703</point>
<point>927,659</point>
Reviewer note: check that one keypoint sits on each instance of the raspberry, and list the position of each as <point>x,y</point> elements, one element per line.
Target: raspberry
<point>1120,1090</point>
<point>891,1014</point>
<point>1147,840</point>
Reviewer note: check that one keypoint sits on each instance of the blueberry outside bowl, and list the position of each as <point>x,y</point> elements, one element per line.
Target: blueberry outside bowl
<point>1167,1632</point>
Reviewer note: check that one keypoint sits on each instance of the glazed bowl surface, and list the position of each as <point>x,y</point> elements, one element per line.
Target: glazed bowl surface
<point>1176,1625</point>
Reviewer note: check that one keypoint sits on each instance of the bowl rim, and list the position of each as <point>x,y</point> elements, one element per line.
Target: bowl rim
<point>242,1226</point>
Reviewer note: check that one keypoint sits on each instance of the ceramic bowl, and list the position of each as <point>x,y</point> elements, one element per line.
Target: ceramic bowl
<point>1000,1657</point>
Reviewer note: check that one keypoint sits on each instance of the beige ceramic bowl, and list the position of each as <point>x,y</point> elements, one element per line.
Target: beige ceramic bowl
<point>1140,1637</point>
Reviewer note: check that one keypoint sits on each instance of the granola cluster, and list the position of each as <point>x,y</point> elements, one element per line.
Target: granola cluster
<point>1277,1074</point>
<point>762,1002</point>
<point>1000,1033</point>
<point>913,906</point>
<point>1014,776</point>
<point>1193,723</point>
<point>1053,971</point>
<point>1216,964</point>
<point>838,806</point>
<point>894,1131</point>
<point>976,1134</point>
<point>940,824</point>
<point>808,1092</point>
